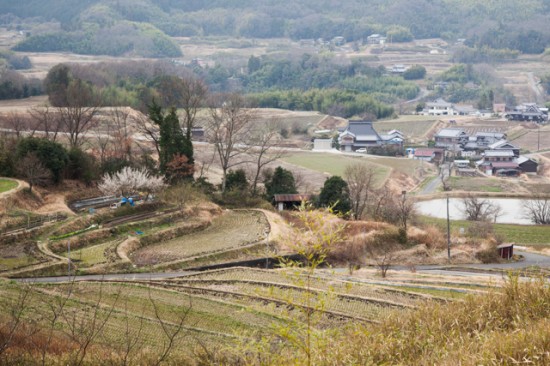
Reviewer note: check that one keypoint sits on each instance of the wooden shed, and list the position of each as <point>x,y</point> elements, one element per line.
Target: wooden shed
<point>506,251</point>
<point>289,201</point>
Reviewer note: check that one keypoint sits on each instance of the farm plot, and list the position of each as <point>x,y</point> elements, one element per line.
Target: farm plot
<point>533,140</point>
<point>17,256</point>
<point>297,279</point>
<point>414,127</point>
<point>232,230</point>
<point>335,164</point>
<point>96,254</point>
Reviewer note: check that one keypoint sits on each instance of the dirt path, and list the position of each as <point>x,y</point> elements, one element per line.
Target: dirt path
<point>127,246</point>
<point>54,202</point>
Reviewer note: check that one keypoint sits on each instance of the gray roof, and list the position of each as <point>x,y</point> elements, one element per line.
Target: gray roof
<point>523,159</point>
<point>363,131</point>
<point>500,144</point>
<point>450,132</point>
<point>499,153</point>
<point>439,103</point>
<point>497,135</point>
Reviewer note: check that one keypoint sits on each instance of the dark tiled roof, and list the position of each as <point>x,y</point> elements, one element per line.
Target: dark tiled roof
<point>362,128</point>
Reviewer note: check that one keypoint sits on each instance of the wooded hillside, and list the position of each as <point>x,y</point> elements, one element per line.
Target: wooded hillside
<point>83,24</point>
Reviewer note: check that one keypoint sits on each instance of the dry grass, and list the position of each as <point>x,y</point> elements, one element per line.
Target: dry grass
<point>503,327</point>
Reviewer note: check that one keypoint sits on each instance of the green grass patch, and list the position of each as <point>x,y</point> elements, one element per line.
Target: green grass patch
<point>536,235</point>
<point>335,164</point>
<point>91,255</point>
<point>448,294</point>
<point>7,184</point>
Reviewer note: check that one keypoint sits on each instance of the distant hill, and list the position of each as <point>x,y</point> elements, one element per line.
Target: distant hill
<point>84,24</point>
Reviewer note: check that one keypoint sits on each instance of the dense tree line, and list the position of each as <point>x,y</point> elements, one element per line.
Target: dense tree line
<point>13,85</point>
<point>504,24</point>
<point>331,101</point>
<point>307,84</point>
<point>118,39</point>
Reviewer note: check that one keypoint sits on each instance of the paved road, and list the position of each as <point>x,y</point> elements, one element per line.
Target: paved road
<point>530,260</point>
<point>432,186</point>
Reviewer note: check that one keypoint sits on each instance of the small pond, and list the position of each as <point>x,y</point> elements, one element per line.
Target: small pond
<point>511,209</point>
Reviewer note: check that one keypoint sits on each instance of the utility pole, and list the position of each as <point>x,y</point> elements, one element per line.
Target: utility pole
<point>448,232</point>
<point>69,257</point>
<point>538,137</point>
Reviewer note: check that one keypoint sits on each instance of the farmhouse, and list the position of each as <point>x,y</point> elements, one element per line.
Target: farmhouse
<point>393,137</point>
<point>451,138</point>
<point>439,107</point>
<point>528,112</point>
<point>504,145</point>
<point>376,39</point>
<point>430,155</point>
<point>359,134</point>
<point>499,156</point>
<point>487,138</point>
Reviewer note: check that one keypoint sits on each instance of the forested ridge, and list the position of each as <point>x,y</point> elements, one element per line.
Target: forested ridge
<point>83,24</point>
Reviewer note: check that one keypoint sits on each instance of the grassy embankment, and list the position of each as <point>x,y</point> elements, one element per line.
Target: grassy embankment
<point>530,235</point>
<point>7,184</point>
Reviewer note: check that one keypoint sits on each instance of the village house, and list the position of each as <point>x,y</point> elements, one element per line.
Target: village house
<point>439,107</point>
<point>504,145</point>
<point>393,137</point>
<point>358,135</point>
<point>499,162</point>
<point>451,138</point>
<point>528,112</point>
<point>429,155</point>
<point>376,39</point>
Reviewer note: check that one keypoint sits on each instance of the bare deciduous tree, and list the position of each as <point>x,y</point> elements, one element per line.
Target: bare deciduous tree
<point>264,139</point>
<point>193,95</point>
<point>46,120</point>
<point>172,332</point>
<point>537,210</point>
<point>120,119</point>
<point>228,128</point>
<point>477,209</point>
<point>149,130</point>
<point>33,171</point>
<point>360,179</point>
<point>84,329</point>
<point>103,141</point>
<point>405,209</point>
<point>77,116</point>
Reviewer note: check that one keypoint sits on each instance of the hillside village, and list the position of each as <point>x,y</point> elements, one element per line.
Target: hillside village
<point>274,183</point>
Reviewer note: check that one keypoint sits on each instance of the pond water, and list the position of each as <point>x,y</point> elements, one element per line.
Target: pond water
<point>511,209</point>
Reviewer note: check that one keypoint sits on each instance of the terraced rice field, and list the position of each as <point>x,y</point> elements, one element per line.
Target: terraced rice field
<point>221,308</point>
<point>96,254</point>
<point>233,229</point>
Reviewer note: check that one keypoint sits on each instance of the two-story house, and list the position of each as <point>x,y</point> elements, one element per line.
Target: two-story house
<point>357,135</point>
<point>451,138</point>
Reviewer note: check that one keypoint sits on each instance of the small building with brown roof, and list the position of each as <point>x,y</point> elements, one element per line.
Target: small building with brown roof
<point>290,201</point>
